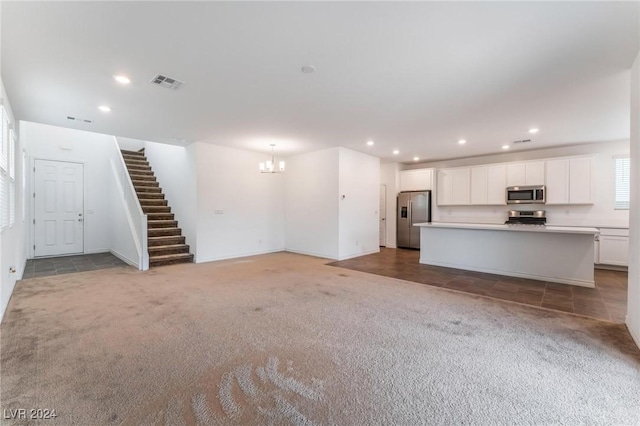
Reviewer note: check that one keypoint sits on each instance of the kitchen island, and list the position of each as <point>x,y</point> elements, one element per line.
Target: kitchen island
<point>549,253</point>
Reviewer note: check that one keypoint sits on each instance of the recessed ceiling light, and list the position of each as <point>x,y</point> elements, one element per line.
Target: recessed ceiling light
<point>505,147</point>
<point>104,108</point>
<point>122,79</point>
<point>308,69</point>
<point>370,143</point>
<point>416,158</point>
<point>462,141</point>
<point>396,152</point>
<point>534,130</point>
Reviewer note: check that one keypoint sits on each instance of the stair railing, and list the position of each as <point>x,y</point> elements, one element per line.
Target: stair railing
<point>135,216</point>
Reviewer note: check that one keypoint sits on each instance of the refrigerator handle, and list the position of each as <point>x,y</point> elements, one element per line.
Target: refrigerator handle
<point>410,214</point>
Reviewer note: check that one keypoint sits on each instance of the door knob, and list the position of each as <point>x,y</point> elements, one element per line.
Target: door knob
<point>79,220</point>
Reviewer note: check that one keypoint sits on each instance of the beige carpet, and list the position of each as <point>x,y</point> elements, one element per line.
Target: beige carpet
<point>284,339</point>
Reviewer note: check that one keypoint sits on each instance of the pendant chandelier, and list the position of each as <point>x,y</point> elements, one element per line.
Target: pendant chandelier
<point>270,165</point>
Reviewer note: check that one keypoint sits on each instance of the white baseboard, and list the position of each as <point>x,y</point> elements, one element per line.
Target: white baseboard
<point>634,334</point>
<point>580,283</point>
<point>98,250</point>
<point>308,253</point>
<point>351,256</point>
<point>235,256</point>
<point>391,246</point>
<point>125,259</point>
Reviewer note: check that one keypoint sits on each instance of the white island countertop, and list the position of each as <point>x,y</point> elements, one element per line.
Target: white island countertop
<point>516,228</point>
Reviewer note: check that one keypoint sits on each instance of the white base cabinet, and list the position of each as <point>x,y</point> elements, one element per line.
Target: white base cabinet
<point>613,247</point>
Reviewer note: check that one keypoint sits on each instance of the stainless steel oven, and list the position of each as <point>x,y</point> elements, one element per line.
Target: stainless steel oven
<point>526,194</point>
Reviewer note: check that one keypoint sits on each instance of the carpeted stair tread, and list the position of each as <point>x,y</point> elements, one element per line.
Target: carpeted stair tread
<point>160,232</point>
<point>166,240</point>
<point>135,153</point>
<point>160,216</point>
<point>169,259</point>
<point>136,177</point>
<point>161,223</point>
<point>145,183</point>
<point>156,209</point>
<point>149,189</point>
<point>168,249</point>
<point>150,196</point>
<point>152,203</point>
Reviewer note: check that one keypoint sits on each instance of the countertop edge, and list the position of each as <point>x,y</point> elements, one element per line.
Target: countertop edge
<point>514,228</point>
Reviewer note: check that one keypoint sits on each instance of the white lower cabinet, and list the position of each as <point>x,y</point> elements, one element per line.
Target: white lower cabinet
<point>613,247</point>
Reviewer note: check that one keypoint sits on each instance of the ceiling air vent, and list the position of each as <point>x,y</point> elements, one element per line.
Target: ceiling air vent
<point>82,120</point>
<point>168,82</point>
<point>522,141</point>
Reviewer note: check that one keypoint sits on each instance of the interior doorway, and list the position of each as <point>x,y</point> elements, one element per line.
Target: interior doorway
<point>383,215</point>
<point>58,208</point>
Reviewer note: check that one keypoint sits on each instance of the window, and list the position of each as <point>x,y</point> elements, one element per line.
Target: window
<point>4,171</point>
<point>12,177</point>
<point>623,177</point>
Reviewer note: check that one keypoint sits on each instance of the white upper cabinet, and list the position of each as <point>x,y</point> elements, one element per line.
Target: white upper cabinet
<point>581,180</point>
<point>497,184</point>
<point>570,180</point>
<point>526,173</point>
<point>479,185</point>
<point>416,180</point>
<point>558,181</point>
<point>454,187</point>
<point>488,184</point>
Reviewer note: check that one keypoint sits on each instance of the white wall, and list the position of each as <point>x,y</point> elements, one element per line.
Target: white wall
<point>358,217</point>
<point>12,240</point>
<point>311,200</point>
<point>390,178</point>
<point>250,205</point>
<point>633,299</point>
<point>600,214</point>
<point>93,150</point>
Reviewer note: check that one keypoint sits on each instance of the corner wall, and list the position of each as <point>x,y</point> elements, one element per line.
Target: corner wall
<point>240,211</point>
<point>633,298</point>
<point>311,200</point>
<point>359,195</point>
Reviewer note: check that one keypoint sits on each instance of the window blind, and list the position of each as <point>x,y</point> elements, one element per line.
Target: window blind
<point>623,179</point>
<point>4,199</point>
<point>12,202</point>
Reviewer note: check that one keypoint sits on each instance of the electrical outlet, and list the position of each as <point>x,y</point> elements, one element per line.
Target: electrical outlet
<point>217,211</point>
<point>357,243</point>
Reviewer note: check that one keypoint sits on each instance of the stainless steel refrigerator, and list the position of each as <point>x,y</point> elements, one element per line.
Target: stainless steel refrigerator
<point>413,207</point>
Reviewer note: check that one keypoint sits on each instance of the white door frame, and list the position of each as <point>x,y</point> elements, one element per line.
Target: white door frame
<point>32,205</point>
<point>383,216</point>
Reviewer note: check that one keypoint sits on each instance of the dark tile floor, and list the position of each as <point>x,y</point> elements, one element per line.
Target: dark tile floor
<point>608,300</point>
<point>69,264</point>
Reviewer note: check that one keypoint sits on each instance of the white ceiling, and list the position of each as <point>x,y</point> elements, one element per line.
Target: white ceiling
<point>410,76</point>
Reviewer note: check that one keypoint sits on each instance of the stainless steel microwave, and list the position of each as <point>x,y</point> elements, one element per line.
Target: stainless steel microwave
<point>526,194</point>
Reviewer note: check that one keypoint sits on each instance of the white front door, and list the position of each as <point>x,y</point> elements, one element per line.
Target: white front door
<point>59,208</point>
<point>383,216</point>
